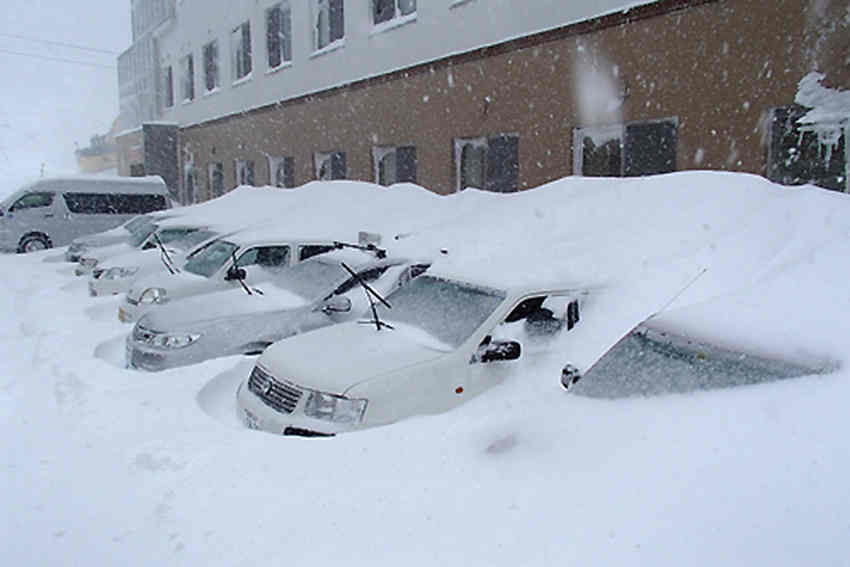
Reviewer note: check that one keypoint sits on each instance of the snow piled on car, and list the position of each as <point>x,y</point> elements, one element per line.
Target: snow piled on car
<point>102,466</point>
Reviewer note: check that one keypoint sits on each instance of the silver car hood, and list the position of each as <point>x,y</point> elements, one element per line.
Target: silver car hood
<point>336,358</point>
<point>219,306</point>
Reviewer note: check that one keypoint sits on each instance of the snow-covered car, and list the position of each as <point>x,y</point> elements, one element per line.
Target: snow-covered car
<point>164,251</point>
<point>442,342</point>
<point>314,294</point>
<point>134,230</point>
<point>140,237</point>
<point>243,259</point>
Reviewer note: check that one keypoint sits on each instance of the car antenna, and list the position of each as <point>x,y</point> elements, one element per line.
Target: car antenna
<point>236,269</point>
<point>163,254</point>
<point>371,295</point>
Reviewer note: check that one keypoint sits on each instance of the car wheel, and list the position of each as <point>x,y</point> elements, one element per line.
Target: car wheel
<point>33,243</point>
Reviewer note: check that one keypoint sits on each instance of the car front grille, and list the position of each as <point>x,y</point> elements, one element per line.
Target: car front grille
<point>277,394</point>
<point>141,360</point>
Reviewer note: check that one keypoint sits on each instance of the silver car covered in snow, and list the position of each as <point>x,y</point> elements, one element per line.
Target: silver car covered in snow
<point>316,293</point>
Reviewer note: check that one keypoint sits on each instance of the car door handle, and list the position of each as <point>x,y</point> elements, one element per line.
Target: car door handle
<point>48,216</point>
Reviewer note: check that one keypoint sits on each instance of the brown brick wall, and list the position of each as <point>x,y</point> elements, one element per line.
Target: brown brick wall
<point>716,66</point>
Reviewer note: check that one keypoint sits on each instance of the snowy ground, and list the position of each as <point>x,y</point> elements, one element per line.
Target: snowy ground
<point>104,466</point>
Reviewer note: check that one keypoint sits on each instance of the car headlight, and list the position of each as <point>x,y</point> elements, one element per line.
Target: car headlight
<point>177,340</point>
<point>164,340</point>
<point>338,409</point>
<point>153,295</point>
<point>119,272</point>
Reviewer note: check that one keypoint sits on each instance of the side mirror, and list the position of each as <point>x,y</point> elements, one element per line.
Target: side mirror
<point>500,350</point>
<point>235,273</point>
<point>336,305</point>
<point>569,376</point>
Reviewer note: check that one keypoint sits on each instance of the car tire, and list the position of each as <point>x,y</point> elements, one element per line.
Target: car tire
<point>33,243</point>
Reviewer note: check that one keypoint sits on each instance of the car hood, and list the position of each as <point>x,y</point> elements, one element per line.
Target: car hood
<point>143,258</point>
<point>104,239</point>
<point>217,306</point>
<point>337,358</point>
<point>175,285</point>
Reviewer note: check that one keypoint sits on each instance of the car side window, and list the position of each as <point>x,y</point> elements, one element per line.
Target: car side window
<point>270,257</point>
<point>311,250</point>
<point>32,201</point>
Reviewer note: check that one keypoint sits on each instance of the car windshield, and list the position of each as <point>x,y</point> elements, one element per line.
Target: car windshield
<point>185,238</point>
<point>206,261</point>
<point>139,228</point>
<point>309,279</point>
<point>448,311</point>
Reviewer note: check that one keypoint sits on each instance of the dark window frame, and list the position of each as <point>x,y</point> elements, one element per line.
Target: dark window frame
<point>497,158</point>
<point>406,164</point>
<point>211,67</point>
<point>795,155</point>
<point>240,38</point>
<point>279,35</point>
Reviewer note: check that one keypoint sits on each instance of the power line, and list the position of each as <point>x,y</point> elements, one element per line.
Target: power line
<point>60,59</point>
<point>59,43</point>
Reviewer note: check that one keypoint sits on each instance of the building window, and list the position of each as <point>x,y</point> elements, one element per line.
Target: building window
<point>168,87</point>
<point>394,164</point>
<point>631,150</point>
<point>282,171</point>
<point>490,163</point>
<point>188,65</point>
<point>244,172</point>
<point>189,182</point>
<point>211,66</point>
<point>329,23</point>
<point>279,34</point>
<point>387,10</point>
<point>240,40</point>
<point>137,170</point>
<point>806,154</point>
<point>216,179</point>
<point>330,165</point>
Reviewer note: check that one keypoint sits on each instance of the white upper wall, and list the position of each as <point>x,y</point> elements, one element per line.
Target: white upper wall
<point>439,28</point>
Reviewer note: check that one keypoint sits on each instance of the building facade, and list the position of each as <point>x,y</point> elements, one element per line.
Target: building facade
<point>498,95</point>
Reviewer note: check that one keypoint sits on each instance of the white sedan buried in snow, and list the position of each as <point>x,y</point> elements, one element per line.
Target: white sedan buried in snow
<point>313,294</point>
<point>165,251</point>
<point>240,260</point>
<point>434,349</point>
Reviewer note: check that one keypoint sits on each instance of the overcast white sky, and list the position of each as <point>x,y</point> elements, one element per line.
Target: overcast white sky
<point>46,105</point>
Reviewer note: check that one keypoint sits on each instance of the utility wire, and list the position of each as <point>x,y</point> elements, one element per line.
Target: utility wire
<point>59,43</point>
<point>60,59</point>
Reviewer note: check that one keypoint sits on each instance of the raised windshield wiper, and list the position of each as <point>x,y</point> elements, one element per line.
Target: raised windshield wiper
<point>239,276</point>
<point>163,254</point>
<point>371,295</point>
<point>380,253</point>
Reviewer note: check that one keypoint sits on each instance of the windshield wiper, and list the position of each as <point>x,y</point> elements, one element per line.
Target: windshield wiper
<point>380,253</point>
<point>371,295</point>
<point>163,254</point>
<point>236,272</point>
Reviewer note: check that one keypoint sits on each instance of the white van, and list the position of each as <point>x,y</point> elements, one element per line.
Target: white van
<point>54,211</point>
